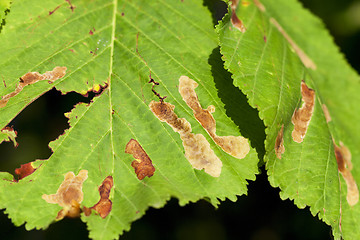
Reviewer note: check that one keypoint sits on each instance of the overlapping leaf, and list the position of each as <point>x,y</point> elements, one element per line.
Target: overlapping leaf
<point>268,63</point>
<point>98,42</point>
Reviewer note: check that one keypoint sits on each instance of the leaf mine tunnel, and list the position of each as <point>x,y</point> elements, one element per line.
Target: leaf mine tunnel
<point>142,163</point>
<point>69,195</point>
<point>302,116</point>
<point>236,22</point>
<point>104,205</point>
<point>343,158</point>
<point>235,146</point>
<point>197,148</point>
<point>31,78</point>
<point>279,143</point>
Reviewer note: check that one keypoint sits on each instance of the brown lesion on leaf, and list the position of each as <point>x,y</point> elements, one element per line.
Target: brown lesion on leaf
<point>303,57</point>
<point>10,135</point>
<point>343,158</point>
<point>302,116</point>
<point>69,195</point>
<point>326,113</point>
<point>104,205</point>
<point>236,146</point>
<point>236,22</point>
<point>279,143</point>
<point>33,77</point>
<point>142,163</point>
<point>197,148</point>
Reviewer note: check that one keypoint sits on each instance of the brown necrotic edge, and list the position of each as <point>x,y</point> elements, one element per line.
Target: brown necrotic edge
<point>343,158</point>
<point>31,78</point>
<point>236,146</point>
<point>10,135</point>
<point>24,170</point>
<point>142,163</point>
<point>302,116</point>
<point>197,148</point>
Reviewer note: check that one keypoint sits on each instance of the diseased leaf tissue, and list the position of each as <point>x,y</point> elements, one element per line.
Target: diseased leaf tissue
<point>69,195</point>
<point>301,117</point>
<point>31,78</point>
<point>197,148</point>
<point>104,205</point>
<point>142,163</point>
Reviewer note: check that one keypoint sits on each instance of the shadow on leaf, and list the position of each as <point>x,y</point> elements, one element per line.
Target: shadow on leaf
<point>236,104</point>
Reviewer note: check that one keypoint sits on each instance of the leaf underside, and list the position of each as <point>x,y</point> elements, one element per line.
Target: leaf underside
<point>269,69</point>
<point>115,45</point>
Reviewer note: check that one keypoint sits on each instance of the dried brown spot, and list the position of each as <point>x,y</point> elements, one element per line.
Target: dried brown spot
<point>236,22</point>
<point>343,158</point>
<point>326,113</point>
<point>33,77</point>
<point>69,195</point>
<point>24,170</point>
<point>279,143</point>
<point>91,32</point>
<point>302,116</point>
<point>72,7</point>
<point>197,148</point>
<point>8,134</point>
<point>142,163</point>
<point>303,57</point>
<point>235,146</point>
<point>104,205</point>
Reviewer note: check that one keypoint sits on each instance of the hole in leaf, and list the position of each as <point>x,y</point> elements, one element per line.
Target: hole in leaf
<point>39,123</point>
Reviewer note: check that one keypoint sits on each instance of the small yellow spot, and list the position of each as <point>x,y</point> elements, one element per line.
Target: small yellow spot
<point>96,87</point>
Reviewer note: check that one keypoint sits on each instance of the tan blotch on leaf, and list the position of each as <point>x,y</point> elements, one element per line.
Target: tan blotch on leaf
<point>235,146</point>
<point>197,148</point>
<point>236,22</point>
<point>302,116</point>
<point>343,158</point>
<point>142,163</point>
<point>279,143</point>
<point>69,195</point>
<point>104,205</point>
<point>33,77</point>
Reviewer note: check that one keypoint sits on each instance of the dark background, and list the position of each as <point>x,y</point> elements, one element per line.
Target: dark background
<point>260,215</point>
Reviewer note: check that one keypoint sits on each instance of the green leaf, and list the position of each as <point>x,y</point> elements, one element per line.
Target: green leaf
<point>117,44</point>
<point>269,70</point>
